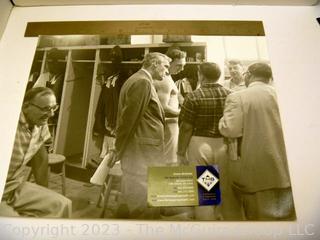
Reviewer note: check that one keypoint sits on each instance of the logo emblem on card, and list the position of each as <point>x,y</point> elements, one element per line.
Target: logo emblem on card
<point>207,180</point>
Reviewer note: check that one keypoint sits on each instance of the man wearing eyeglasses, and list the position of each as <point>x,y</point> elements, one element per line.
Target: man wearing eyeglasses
<point>260,177</point>
<point>22,198</point>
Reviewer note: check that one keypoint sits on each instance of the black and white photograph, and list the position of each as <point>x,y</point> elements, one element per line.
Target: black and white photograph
<point>100,110</point>
<point>159,119</point>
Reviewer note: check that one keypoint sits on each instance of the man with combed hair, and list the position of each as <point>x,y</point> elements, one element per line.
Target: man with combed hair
<point>22,198</point>
<point>199,136</point>
<point>236,81</point>
<point>168,95</point>
<point>140,134</point>
<point>260,177</point>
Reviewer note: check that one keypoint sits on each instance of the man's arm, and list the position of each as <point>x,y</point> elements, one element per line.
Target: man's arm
<point>185,134</point>
<point>164,89</point>
<point>136,100</point>
<point>231,124</point>
<point>169,111</point>
<point>186,120</point>
<point>39,165</point>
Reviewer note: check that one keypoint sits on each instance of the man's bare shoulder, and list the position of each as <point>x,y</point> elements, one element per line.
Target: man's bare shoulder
<point>166,85</point>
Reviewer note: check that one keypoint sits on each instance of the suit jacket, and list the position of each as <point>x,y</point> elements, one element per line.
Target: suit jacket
<point>253,113</point>
<point>140,125</point>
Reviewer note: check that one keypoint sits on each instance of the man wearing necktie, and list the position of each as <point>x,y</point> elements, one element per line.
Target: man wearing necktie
<point>140,135</point>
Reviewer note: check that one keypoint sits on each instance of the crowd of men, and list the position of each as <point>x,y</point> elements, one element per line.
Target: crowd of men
<point>235,125</point>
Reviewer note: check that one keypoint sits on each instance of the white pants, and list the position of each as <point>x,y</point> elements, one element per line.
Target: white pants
<point>205,151</point>
<point>171,133</point>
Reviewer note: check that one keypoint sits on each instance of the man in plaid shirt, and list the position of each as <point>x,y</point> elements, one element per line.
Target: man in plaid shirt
<point>199,136</point>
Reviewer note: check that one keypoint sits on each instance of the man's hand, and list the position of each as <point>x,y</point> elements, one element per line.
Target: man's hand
<point>182,160</point>
<point>112,159</point>
<point>39,165</point>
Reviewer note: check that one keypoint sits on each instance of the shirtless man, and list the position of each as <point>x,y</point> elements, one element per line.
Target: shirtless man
<point>168,96</point>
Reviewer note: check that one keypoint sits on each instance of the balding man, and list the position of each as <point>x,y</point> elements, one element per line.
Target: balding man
<point>140,134</point>
<point>22,198</point>
<point>260,177</point>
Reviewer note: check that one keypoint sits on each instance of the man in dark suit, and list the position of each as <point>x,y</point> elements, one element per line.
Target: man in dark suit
<point>140,134</point>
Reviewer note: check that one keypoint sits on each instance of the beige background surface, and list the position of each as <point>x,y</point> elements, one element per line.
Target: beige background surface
<point>293,37</point>
<point>5,10</point>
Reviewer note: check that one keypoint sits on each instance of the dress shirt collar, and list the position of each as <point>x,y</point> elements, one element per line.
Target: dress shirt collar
<point>146,71</point>
<point>23,120</point>
<point>257,83</point>
<point>25,124</point>
<point>210,85</point>
<point>232,84</point>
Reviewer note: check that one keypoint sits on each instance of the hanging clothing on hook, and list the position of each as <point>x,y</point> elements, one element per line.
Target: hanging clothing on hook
<point>107,109</point>
<point>53,81</point>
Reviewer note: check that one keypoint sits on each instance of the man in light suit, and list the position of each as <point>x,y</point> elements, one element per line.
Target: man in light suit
<point>260,177</point>
<point>140,134</point>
